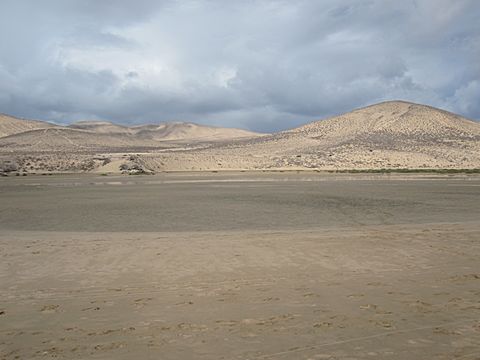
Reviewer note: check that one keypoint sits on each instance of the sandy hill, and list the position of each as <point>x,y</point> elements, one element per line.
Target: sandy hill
<point>72,140</point>
<point>399,119</point>
<point>103,127</point>
<point>38,136</point>
<point>170,131</point>
<point>10,125</point>
<point>392,125</point>
<point>394,134</point>
<point>35,146</point>
<point>175,131</point>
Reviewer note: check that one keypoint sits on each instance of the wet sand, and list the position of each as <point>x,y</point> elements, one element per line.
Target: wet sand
<point>240,266</point>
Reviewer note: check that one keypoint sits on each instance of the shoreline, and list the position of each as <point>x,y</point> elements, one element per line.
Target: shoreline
<point>413,171</point>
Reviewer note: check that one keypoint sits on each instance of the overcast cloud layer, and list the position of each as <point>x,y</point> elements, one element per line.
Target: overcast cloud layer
<point>262,65</point>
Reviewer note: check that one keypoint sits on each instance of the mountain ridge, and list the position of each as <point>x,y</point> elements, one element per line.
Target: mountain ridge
<point>391,134</point>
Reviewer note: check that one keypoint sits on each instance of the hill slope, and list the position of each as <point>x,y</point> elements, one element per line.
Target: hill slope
<point>10,125</point>
<point>72,140</point>
<point>393,134</point>
<point>398,119</point>
<point>102,127</point>
<point>37,136</point>
<point>176,131</point>
<point>170,131</point>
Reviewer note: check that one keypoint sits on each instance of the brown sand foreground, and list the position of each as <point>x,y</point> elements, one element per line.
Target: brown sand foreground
<point>240,266</point>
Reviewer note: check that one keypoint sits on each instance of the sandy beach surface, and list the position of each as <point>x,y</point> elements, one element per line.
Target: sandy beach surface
<point>240,265</point>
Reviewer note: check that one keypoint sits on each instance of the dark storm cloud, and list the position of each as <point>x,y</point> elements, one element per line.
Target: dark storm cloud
<point>265,65</point>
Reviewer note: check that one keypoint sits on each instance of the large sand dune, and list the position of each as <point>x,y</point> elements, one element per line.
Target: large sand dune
<point>102,127</point>
<point>177,131</point>
<point>182,131</point>
<point>388,135</point>
<point>394,134</point>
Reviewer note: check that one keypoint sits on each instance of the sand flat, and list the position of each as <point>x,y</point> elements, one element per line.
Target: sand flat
<point>252,266</point>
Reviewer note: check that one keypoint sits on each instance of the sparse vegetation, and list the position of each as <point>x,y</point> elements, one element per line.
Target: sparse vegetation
<point>7,166</point>
<point>419,140</point>
<point>408,171</point>
<point>134,169</point>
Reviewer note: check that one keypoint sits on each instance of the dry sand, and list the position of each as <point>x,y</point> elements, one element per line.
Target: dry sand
<point>391,135</point>
<point>388,135</point>
<point>240,266</point>
<point>10,125</point>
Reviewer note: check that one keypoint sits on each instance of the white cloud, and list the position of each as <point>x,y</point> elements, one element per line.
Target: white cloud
<point>263,64</point>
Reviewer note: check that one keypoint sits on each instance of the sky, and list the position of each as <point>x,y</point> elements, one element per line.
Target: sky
<point>259,65</point>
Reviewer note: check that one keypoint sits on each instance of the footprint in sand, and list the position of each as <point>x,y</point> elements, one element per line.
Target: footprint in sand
<point>368,307</point>
<point>324,324</point>
<point>455,300</point>
<point>383,323</point>
<point>184,303</point>
<point>422,306</point>
<point>466,277</point>
<point>111,346</point>
<point>227,322</point>
<point>192,327</point>
<point>139,303</point>
<point>48,309</point>
<point>355,296</point>
<point>443,331</point>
